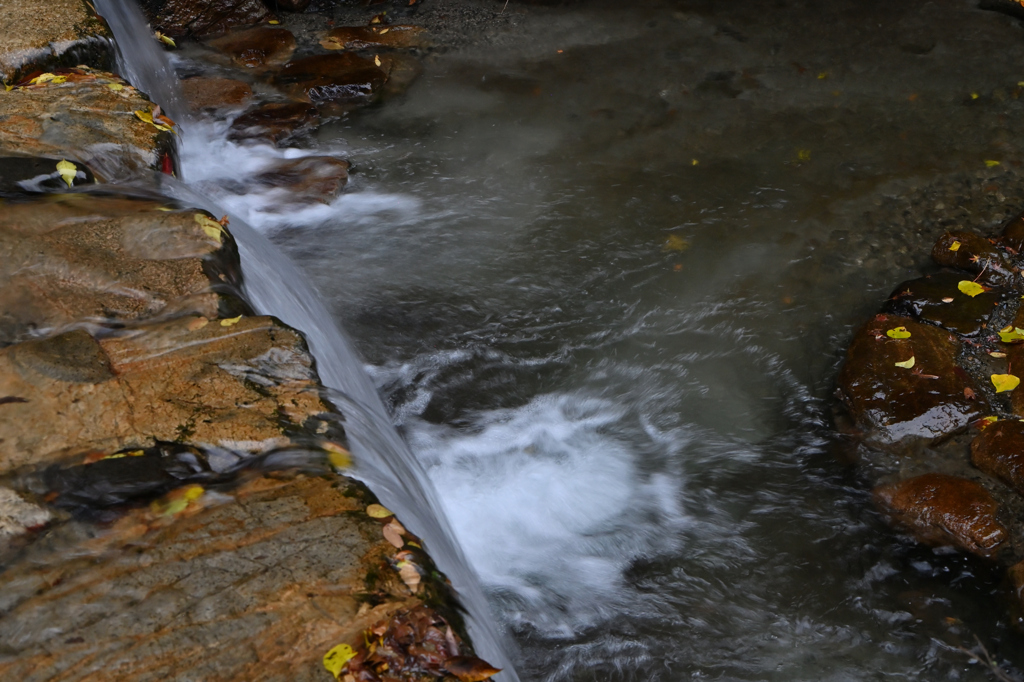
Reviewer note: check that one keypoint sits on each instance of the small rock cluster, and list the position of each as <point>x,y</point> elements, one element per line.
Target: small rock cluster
<point>929,388</point>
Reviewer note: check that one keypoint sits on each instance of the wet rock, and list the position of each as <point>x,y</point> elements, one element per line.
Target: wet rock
<point>945,510</point>
<point>936,299</point>
<point>257,583</point>
<point>975,254</point>
<point>243,385</point>
<point>84,116</point>
<point>402,71</point>
<point>203,17</point>
<point>22,174</point>
<point>930,400</point>
<point>379,36</point>
<point>215,93</point>
<point>276,122</point>
<point>47,34</point>
<point>1013,232</point>
<point>1011,7</point>
<point>289,5</point>
<point>333,80</point>
<point>999,451</point>
<point>76,258</point>
<point>309,179</point>
<point>18,515</point>
<point>256,47</point>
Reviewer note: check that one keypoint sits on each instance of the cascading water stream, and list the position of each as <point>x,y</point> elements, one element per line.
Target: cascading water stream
<point>275,286</point>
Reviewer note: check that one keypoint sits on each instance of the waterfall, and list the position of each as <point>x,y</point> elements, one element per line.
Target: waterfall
<point>274,286</point>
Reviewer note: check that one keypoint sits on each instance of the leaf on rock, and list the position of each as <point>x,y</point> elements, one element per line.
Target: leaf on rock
<point>1004,382</point>
<point>211,227</point>
<point>409,574</point>
<point>970,288</point>
<point>197,323</point>
<point>989,163</point>
<point>898,333</point>
<point>167,40</point>
<point>675,243</point>
<point>906,364</point>
<point>393,535</point>
<point>67,171</point>
<point>339,457</point>
<point>1011,334</point>
<point>378,511</point>
<point>985,422</point>
<point>337,657</point>
<point>158,123</point>
<point>231,321</point>
<point>955,246</point>
<point>177,501</point>
<point>470,668</point>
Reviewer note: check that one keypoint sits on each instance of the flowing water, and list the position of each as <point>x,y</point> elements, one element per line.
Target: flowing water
<point>601,261</point>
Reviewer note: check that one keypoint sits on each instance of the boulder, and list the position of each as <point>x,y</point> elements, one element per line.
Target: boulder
<point>338,80</point>
<point>308,179</point>
<point>256,47</point>
<point>177,18</point>
<point>79,258</point>
<point>929,400</point>
<point>276,122</point>
<point>244,384</point>
<point>975,254</point>
<point>937,300</point>
<point>999,451</point>
<point>84,116</point>
<point>253,583</point>
<point>939,509</point>
<point>215,93</point>
<point>46,34</point>
<point>373,37</point>
<point>23,174</point>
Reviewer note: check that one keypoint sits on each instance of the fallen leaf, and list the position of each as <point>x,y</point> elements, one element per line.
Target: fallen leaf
<point>409,574</point>
<point>116,87</point>
<point>1004,382</point>
<point>898,333</point>
<point>970,288</point>
<point>906,364</point>
<point>1011,334</point>
<point>273,22</point>
<point>378,511</point>
<point>376,60</point>
<point>955,246</point>
<point>337,657</point>
<point>969,393</point>
<point>177,501</point>
<point>210,226</point>
<point>67,171</point>
<point>167,40</point>
<point>985,422</point>
<point>339,457</point>
<point>990,164</point>
<point>803,155</point>
<point>147,117</point>
<point>392,534</point>
<point>231,321</point>
<point>997,354</point>
<point>470,668</point>
<point>947,299</point>
<point>694,162</point>
<point>197,323</point>
<point>823,75</point>
<point>675,243</point>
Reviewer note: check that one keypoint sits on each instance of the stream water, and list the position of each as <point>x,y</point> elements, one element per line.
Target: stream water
<point>601,261</point>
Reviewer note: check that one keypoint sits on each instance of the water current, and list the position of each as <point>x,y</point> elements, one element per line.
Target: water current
<point>601,261</point>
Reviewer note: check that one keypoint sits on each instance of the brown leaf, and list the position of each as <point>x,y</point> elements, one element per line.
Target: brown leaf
<point>393,534</point>
<point>470,668</point>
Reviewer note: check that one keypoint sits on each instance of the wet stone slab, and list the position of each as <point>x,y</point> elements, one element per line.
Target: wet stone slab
<point>938,300</point>
<point>256,47</point>
<point>44,34</point>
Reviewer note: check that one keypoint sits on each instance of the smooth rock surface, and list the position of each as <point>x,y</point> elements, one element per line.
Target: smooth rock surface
<point>999,451</point>
<point>43,34</point>
<point>203,17</point>
<point>256,47</point>
<point>973,253</point>
<point>215,93</point>
<point>276,122</point>
<point>332,79</point>
<point>308,179</point>
<point>945,510</point>
<point>936,299</point>
<point>933,399</point>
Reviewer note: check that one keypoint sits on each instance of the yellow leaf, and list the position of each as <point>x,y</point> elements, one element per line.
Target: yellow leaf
<point>997,354</point>
<point>339,457</point>
<point>823,75</point>
<point>675,243</point>
<point>147,117</point>
<point>67,171</point>
<point>955,246</point>
<point>989,163</point>
<point>975,95</point>
<point>378,511</point>
<point>803,155</point>
<point>42,78</point>
<point>230,321</point>
<point>164,39</point>
<point>986,421</point>
<point>898,333</point>
<point>116,87</point>
<point>337,657</point>
<point>1011,335</point>
<point>906,364</point>
<point>210,226</point>
<point>970,288</point>
<point>274,22</point>
<point>694,162</point>
<point>376,60</point>
<point>1004,382</point>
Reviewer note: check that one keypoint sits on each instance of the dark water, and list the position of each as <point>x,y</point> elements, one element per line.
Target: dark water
<point>602,260</point>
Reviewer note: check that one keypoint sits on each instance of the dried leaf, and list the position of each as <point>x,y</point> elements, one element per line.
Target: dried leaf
<point>906,364</point>
<point>985,422</point>
<point>970,288</point>
<point>409,574</point>
<point>1004,382</point>
<point>377,511</point>
<point>197,323</point>
<point>470,668</point>
<point>376,60</point>
<point>947,299</point>
<point>997,354</point>
<point>955,246</point>
<point>147,117</point>
<point>211,227</point>
<point>67,171</point>
<point>231,321</point>
<point>393,535</point>
<point>337,657</point>
<point>898,333</point>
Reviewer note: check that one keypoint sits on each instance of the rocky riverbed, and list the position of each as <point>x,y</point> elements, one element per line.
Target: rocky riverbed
<point>173,493</point>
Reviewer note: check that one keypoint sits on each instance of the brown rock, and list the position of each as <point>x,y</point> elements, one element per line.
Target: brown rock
<point>256,47</point>
<point>1013,232</point>
<point>379,36</point>
<point>276,122</point>
<point>309,179</point>
<point>975,254</point>
<point>289,5</point>
<point>999,451</point>
<point>945,510</point>
<point>44,34</point>
<point>333,79</point>
<point>203,17</point>
<point>936,299</point>
<point>77,258</point>
<point>85,120</point>
<point>215,93</point>
<point>23,174</point>
<point>241,385</point>
<point>255,586</point>
<point>890,403</point>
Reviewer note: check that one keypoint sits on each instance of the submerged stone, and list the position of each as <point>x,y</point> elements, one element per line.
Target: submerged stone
<point>255,47</point>
<point>939,509</point>
<point>333,79</point>
<point>308,179</point>
<point>276,122</point>
<point>215,93</point>
<point>1013,230</point>
<point>999,451</point>
<point>975,254</point>
<point>203,17</point>
<point>45,34</point>
<point>378,36</point>
<point>931,399</point>
<point>936,299</point>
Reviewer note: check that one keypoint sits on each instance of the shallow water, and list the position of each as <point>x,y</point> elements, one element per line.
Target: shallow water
<point>602,261</point>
